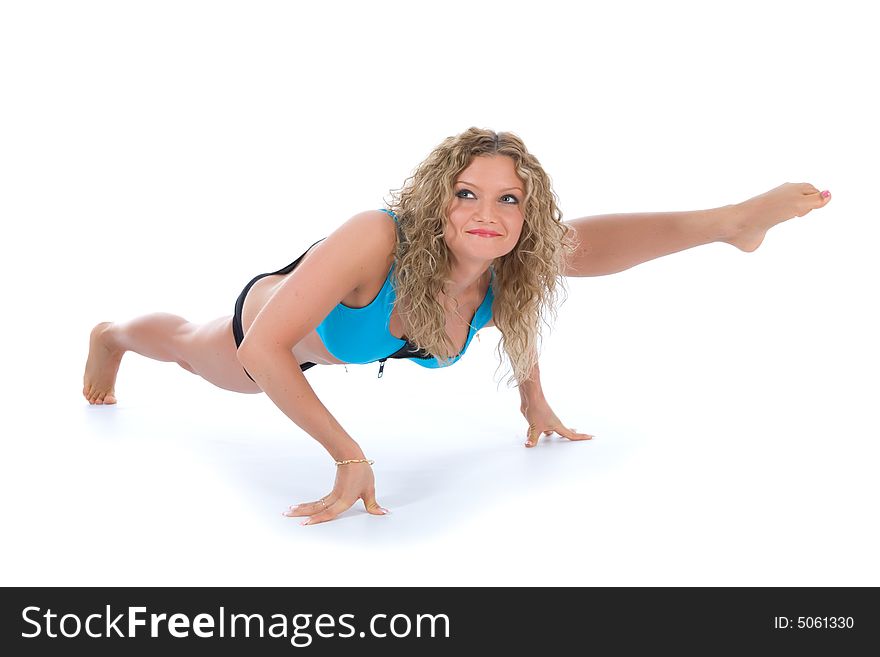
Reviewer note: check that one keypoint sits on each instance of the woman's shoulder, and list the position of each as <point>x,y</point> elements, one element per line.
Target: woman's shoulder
<point>378,229</point>
<point>370,237</point>
<point>373,231</point>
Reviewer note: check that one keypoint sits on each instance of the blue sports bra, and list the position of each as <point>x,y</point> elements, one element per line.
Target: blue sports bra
<point>361,335</point>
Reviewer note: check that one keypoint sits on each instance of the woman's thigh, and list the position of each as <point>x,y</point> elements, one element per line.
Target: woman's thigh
<point>209,349</point>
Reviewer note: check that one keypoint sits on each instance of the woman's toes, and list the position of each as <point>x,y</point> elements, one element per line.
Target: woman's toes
<point>818,199</point>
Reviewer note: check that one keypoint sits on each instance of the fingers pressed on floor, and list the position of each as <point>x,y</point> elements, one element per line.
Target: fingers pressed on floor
<point>296,511</point>
<point>308,508</point>
<point>330,513</point>
<point>571,434</point>
<point>374,508</point>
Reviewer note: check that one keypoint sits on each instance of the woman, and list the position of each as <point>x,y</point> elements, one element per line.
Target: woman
<point>473,239</point>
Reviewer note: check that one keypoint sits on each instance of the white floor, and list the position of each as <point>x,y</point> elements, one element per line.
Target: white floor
<point>733,395</point>
<point>716,461</point>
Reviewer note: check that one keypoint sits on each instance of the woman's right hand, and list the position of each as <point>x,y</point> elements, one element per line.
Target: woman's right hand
<point>354,481</point>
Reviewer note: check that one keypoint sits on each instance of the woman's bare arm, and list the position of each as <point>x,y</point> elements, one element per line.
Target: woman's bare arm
<point>539,415</point>
<point>279,375</point>
<point>537,412</point>
<point>338,266</point>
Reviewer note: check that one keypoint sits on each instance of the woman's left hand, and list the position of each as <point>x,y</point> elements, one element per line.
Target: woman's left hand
<point>542,420</point>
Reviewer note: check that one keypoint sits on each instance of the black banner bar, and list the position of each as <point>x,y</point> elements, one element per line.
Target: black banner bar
<point>436,620</point>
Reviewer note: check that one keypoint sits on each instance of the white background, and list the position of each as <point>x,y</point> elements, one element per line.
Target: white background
<point>156,156</point>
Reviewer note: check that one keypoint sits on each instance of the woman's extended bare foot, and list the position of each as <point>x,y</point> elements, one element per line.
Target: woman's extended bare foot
<point>753,218</point>
<point>101,366</point>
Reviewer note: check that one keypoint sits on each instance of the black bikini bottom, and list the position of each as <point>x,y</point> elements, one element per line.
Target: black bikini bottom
<point>237,330</point>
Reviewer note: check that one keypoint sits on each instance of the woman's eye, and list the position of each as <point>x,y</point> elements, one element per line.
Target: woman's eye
<point>467,191</point>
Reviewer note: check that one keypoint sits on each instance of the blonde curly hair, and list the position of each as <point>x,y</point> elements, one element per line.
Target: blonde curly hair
<point>527,279</point>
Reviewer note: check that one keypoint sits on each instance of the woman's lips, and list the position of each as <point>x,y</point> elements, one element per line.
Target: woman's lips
<point>483,233</point>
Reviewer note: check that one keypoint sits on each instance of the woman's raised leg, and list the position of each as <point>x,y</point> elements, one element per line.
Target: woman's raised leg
<point>614,242</point>
<point>205,349</point>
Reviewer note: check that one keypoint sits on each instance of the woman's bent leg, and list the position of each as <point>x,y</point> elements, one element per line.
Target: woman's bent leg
<point>204,349</point>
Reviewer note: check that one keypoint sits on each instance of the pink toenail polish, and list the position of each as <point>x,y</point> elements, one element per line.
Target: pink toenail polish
<point>825,194</point>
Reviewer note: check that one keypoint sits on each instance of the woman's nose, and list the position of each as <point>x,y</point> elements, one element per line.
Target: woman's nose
<point>485,212</point>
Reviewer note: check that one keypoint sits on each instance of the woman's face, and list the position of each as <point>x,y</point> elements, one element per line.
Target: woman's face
<point>485,216</point>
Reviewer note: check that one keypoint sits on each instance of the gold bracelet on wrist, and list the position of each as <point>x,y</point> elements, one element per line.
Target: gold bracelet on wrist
<point>370,461</point>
